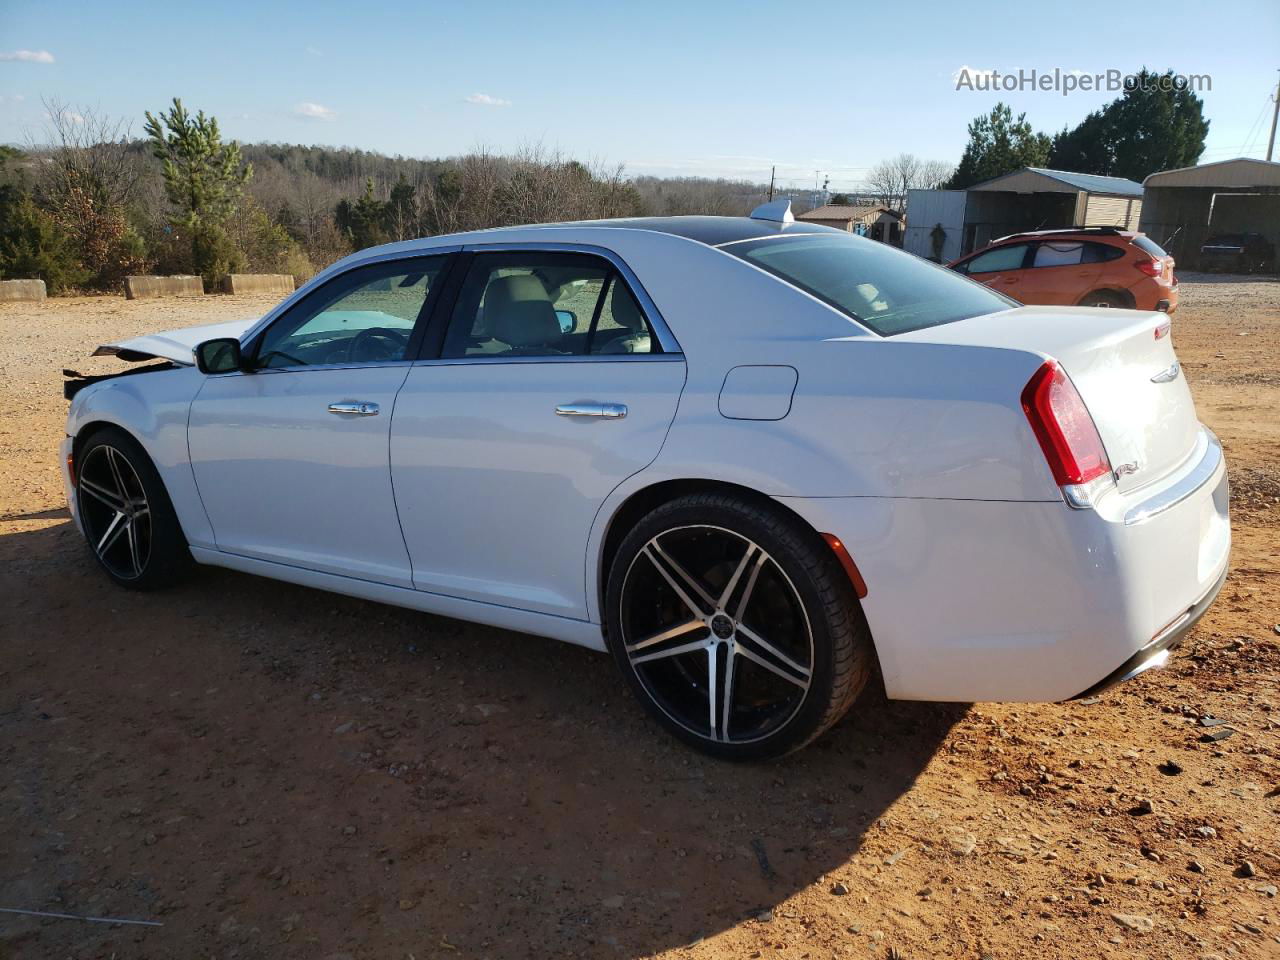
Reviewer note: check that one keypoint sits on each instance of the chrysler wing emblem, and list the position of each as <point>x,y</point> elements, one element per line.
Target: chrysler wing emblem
<point>1164,376</point>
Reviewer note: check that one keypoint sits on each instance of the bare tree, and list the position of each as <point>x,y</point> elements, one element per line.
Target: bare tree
<point>890,180</point>
<point>933,174</point>
<point>90,179</point>
<point>91,152</point>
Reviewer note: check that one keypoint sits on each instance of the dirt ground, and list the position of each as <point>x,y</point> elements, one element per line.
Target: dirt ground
<point>268,771</point>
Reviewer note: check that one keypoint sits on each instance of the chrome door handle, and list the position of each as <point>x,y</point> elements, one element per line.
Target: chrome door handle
<point>359,408</point>
<point>609,411</point>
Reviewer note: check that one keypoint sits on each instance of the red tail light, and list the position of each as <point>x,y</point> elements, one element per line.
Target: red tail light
<point>1152,268</point>
<point>1064,427</point>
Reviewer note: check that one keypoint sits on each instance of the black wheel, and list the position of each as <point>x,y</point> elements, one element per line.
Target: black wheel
<point>736,626</point>
<point>126,514</point>
<point>1104,298</point>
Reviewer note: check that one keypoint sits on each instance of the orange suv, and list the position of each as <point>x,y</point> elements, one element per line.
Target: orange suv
<point>1088,267</point>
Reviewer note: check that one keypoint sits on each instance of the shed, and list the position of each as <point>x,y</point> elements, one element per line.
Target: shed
<point>1185,207</point>
<point>1034,198</point>
<point>945,224</point>
<point>876,222</point>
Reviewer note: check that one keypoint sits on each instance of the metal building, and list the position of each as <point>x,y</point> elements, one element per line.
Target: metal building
<point>1183,208</point>
<point>1032,198</point>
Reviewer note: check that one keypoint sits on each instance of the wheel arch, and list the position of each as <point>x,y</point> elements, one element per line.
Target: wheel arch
<point>1125,296</point>
<point>151,409</point>
<point>647,498</point>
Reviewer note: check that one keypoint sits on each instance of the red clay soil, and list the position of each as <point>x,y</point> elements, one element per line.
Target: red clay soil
<point>268,771</point>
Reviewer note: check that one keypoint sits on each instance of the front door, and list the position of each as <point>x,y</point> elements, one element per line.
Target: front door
<point>291,458</point>
<point>549,390</point>
<point>1000,268</point>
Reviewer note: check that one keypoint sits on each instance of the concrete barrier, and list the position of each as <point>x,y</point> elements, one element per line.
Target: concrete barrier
<point>138,288</point>
<point>278,283</point>
<point>22,290</point>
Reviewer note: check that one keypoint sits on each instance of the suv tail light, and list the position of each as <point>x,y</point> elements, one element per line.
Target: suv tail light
<point>1065,429</point>
<point>1152,268</point>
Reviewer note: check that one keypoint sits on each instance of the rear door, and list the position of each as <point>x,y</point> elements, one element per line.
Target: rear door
<point>1001,269</point>
<point>1061,272</point>
<point>548,388</point>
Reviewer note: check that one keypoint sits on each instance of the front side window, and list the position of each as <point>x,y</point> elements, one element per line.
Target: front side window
<point>544,305</point>
<point>884,289</point>
<point>364,316</point>
<point>1009,257</point>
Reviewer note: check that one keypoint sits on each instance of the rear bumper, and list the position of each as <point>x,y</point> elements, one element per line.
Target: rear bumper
<point>1156,653</point>
<point>1033,601</point>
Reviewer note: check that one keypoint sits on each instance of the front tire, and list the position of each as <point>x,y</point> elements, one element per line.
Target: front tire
<point>125,511</point>
<point>735,626</point>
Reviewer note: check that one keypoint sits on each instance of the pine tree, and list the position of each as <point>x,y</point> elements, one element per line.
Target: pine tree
<point>999,144</point>
<point>1153,126</point>
<point>203,180</point>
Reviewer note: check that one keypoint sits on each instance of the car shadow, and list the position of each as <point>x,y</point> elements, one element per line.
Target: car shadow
<point>277,771</point>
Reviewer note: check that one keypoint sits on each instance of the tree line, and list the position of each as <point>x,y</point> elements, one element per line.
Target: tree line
<point>1152,126</point>
<point>94,204</point>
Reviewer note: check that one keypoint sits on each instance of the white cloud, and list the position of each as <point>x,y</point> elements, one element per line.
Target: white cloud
<point>27,56</point>
<point>12,98</point>
<point>315,51</point>
<point>68,115</point>
<point>315,111</point>
<point>484,100</point>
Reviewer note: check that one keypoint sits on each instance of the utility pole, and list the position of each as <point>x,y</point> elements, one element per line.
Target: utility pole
<point>773,173</point>
<point>1275,114</point>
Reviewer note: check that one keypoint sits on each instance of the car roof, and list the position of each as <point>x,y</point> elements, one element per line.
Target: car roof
<point>713,231</point>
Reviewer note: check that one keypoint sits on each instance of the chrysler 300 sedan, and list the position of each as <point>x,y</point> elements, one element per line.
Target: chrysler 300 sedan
<point>755,460</point>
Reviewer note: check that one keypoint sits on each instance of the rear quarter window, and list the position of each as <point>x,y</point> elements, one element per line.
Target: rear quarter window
<point>882,288</point>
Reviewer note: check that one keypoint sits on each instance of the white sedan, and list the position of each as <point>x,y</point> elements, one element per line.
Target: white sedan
<point>752,458</point>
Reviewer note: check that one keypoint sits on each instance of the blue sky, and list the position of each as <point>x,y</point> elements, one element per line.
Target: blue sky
<point>708,88</point>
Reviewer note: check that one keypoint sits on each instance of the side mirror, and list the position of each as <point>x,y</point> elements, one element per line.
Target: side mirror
<point>218,356</point>
<point>568,320</point>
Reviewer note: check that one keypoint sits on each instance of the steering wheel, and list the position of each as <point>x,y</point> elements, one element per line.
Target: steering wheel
<point>383,340</point>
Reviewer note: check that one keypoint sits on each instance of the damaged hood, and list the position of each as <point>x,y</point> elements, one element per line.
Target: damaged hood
<point>175,345</point>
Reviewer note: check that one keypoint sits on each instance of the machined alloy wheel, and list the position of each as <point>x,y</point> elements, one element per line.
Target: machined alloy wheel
<point>698,636</point>
<point>125,512</point>
<point>735,626</point>
<point>116,513</point>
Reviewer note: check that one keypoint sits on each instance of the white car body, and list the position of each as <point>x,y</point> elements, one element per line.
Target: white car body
<point>470,498</point>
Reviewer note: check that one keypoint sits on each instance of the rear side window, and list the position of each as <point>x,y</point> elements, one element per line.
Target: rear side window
<point>884,289</point>
<point>1147,245</point>
<point>1058,254</point>
<point>545,305</point>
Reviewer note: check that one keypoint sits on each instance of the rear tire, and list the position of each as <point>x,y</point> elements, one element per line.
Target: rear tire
<point>735,626</point>
<point>1105,298</point>
<point>127,516</point>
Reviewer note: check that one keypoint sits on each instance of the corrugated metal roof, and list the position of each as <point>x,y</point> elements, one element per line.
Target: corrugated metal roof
<point>833,211</point>
<point>1092,182</point>
<point>1088,182</point>
<point>1240,172</point>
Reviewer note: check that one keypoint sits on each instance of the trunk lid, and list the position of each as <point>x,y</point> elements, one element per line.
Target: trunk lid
<point>1128,378</point>
<point>175,345</point>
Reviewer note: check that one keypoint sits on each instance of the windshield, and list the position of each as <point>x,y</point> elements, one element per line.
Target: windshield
<point>884,289</point>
